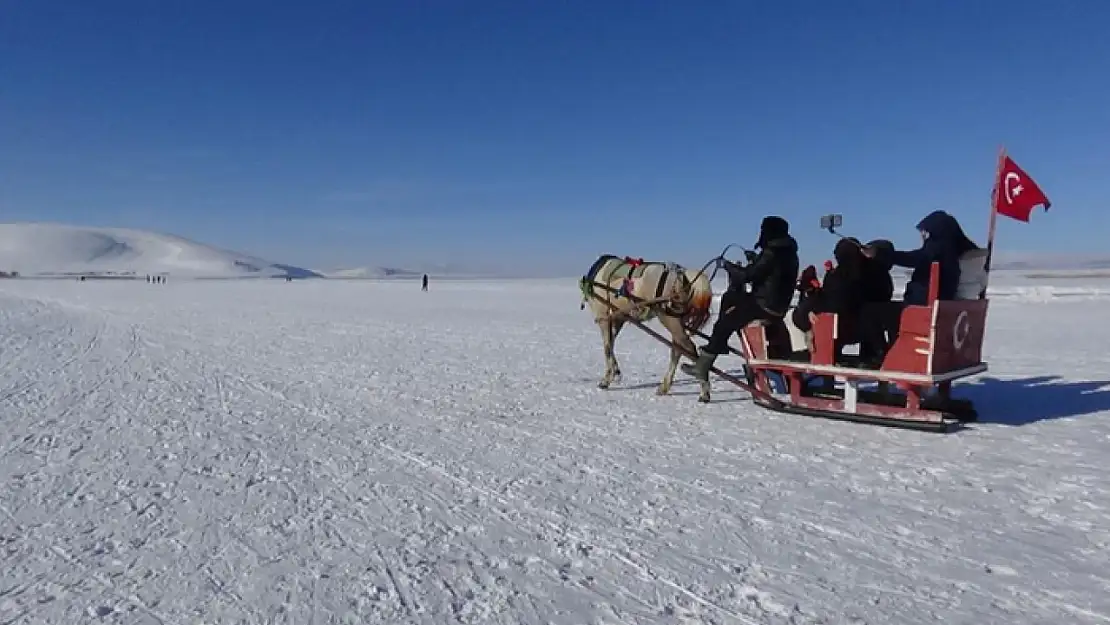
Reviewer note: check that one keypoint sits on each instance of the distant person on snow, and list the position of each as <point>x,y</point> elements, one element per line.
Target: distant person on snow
<point>772,273</point>
<point>424,283</point>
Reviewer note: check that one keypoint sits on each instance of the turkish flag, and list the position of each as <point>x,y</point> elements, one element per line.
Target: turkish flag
<point>1015,193</point>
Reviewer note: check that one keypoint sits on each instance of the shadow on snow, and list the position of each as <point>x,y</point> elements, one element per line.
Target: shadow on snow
<point>1023,401</point>
<point>723,391</point>
<point>1014,402</point>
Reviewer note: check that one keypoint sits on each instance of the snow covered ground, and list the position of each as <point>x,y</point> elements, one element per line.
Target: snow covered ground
<point>360,452</point>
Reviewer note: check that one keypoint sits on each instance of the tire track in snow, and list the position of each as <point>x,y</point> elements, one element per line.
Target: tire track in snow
<point>304,409</point>
<point>624,558</point>
<point>42,377</point>
<point>283,396</point>
<point>326,443</point>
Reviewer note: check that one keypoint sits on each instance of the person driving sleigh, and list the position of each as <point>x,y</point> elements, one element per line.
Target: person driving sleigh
<point>772,274</point>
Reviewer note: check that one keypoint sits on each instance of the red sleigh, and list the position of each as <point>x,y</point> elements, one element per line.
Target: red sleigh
<point>937,344</point>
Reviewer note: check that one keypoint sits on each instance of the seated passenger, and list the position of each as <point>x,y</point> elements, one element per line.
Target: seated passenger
<point>843,290</point>
<point>942,241</point>
<point>878,284</point>
<point>877,314</point>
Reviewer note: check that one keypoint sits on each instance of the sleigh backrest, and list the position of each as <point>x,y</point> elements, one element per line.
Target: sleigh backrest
<point>973,274</point>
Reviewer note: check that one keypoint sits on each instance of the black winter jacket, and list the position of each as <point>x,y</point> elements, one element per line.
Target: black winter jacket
<point>773,274</point>
<point>946,243</point>
<point>841,293</point>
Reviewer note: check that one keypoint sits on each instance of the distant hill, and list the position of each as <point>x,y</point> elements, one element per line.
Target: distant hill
<point>1042,263</point>
<point>371,273</point>
<point>51,249</point>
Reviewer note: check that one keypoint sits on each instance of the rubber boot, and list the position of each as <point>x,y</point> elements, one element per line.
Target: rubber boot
<point>700,369</point>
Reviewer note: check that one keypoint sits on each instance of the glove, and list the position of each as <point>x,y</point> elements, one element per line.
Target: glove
<point>750,256</point>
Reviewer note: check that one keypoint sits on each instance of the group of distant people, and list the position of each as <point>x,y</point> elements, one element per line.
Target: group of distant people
<point>858,287</point>
<point>156,279</point>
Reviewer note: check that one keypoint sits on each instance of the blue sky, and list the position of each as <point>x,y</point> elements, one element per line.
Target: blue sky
<point>536,134</point>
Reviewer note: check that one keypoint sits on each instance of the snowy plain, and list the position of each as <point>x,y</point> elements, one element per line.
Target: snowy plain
<point>360,452</point>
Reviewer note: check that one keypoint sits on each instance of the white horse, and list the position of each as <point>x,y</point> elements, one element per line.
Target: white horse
<point>680,298</point>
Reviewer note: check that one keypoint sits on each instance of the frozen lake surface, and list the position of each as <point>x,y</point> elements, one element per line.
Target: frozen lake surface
<point>362,452</point>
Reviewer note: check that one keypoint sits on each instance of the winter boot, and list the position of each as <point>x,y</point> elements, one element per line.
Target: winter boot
<point>700,369</point>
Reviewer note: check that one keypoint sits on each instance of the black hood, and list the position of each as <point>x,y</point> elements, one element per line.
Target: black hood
<point>781,243</point>
<point>771,228</point>
<point>847,251</point>
<point>943,227</point>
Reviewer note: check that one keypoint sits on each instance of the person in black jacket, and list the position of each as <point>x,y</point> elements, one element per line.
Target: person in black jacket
<point>772,274</point>
<point>878,284</point>
<point>942,241</point>
<point>878,312</point>
<point>843,290</point>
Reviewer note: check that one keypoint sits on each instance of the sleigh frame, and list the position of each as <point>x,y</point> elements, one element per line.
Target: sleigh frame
<point>937,344</point>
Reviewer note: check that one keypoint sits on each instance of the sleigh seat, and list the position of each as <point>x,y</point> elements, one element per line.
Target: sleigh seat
<point>770,337</point>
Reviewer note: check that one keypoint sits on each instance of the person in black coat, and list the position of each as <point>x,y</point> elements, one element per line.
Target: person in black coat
<point>843,290</point>
<point>878,284</point>
<point>942,241</point>
<point>772,275</point>
<point>878,312</point>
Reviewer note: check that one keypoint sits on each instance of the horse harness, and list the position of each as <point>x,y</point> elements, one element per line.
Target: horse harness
<point>635,268</point>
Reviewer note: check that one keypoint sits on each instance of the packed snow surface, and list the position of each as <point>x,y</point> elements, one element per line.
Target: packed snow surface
<point>62,249</point>
<point>360,452</point>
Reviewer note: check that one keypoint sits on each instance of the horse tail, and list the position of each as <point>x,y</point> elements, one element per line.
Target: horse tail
<point>701,299</point>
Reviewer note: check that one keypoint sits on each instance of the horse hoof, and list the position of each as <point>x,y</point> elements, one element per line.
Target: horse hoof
<point>603,385</point>
<point>662,390</point>
<point>703,399</point>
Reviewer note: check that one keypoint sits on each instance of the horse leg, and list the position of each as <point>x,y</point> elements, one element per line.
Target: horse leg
<point>616,324</point>
<point>681,345</point>
<point>608,337</point>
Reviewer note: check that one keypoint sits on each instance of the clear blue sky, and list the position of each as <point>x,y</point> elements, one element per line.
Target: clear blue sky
<point>540,134</point>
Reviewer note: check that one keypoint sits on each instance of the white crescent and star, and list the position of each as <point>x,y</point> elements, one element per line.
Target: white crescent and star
<point>1011,191</point>
<point>961,330</point>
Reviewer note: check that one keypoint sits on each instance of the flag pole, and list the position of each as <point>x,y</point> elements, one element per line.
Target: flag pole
<point>994,216</point>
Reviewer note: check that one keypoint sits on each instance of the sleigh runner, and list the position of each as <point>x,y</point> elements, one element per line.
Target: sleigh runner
<point>937,344</point>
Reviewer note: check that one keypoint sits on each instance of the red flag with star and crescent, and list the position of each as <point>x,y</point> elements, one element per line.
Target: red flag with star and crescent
<point>1016,195</point>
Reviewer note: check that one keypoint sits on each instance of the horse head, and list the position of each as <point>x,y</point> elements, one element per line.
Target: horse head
<point>699,299</point>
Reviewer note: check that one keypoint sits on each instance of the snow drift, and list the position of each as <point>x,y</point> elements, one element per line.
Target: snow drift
<point>48,249</point>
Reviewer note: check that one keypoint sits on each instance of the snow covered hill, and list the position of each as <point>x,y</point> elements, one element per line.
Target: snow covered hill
<point>50,249</point>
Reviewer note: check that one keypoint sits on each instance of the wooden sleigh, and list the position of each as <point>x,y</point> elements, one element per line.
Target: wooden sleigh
<point>936,345</point>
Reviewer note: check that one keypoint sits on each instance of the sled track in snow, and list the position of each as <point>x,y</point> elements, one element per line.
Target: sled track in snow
<point>48,378</point>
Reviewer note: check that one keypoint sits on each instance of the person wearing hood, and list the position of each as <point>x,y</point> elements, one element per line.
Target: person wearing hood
<point>942,241</point>
<point>842,293</point>
<point>772,274</point>
<point>878,284</point>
